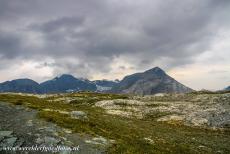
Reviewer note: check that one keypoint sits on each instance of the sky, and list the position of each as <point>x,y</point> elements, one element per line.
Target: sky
<point>108,39</point>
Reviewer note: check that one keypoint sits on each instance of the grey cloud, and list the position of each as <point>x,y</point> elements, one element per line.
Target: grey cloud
<point>96,32</point>
<point>45,64</point>
<point>10,45</point>
<point>57,24</point>
<point>218,71</point>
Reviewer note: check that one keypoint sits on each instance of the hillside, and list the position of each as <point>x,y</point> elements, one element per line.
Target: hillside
<point>150,82</point>
<point>21,86</point>
<point>66,83</point>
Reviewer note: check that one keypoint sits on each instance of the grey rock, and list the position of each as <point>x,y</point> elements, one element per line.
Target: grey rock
<point>9,142</point>
<point>98,141</point>
<point>19,142</point>
<point>5,134</point>
<point>50,129</point>
<point>51,141</point>
<point>64,152</point>
<point>39,141</point>
<point>29,123</point>
<point>78,115</point>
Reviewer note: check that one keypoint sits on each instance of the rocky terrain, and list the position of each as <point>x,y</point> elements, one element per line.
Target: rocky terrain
<point>205,110</point>
<point>20,127</point>
<point>109,123</point>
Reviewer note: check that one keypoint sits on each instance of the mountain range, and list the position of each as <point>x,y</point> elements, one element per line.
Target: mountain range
<point>228,88</point>
<point>67,83</point>
<point>149,82</point>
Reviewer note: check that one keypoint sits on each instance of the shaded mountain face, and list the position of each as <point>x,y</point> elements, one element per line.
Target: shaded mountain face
<point>228,88</point>
<point>67,83</point>
<point>104,85</point>
<point>150,82</point>
<point>20,85</point>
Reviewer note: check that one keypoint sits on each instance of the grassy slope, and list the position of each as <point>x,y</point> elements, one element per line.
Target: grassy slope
<point>130,134</point>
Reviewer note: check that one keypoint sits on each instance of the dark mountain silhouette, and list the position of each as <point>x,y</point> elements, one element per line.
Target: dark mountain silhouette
<point>150,82</point>
<point>21,85</point>
<point>66,83</point>
<point>228,88</point>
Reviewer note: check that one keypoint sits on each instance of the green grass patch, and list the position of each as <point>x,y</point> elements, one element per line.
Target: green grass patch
<point>130,134</point>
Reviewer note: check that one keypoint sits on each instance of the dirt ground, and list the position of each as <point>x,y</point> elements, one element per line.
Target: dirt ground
<point>20,127</point>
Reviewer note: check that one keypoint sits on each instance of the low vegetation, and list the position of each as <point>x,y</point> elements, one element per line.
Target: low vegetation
<point>130,135</point>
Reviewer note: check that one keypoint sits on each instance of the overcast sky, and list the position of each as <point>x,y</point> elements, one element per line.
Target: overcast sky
<point>108,39</point>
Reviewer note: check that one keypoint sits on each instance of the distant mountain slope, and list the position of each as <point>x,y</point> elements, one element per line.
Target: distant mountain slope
<point>150,82</point>
<point>66,83</point>
<point>20,85</point>
<point>104,85</point>
<point>228,88</point>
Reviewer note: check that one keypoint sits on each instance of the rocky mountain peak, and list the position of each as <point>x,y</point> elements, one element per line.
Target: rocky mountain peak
<point>67,76</point>
<point>155,70</point>
<point>152,81</point>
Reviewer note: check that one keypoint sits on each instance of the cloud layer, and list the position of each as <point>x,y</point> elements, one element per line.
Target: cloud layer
<point>108,38</point>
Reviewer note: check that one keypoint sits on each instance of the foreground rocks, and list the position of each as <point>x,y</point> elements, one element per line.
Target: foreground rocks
<point>19,127</point>
<point>78,115</point>
<point>7,139</point>
<point>205,110</point>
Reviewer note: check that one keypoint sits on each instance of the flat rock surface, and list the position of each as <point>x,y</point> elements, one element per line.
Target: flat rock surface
<point>210,111</point>
<point>20,127</point>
